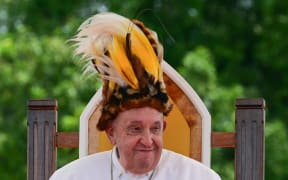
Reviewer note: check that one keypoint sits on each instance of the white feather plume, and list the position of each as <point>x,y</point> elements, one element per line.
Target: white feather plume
<point>94,36</point>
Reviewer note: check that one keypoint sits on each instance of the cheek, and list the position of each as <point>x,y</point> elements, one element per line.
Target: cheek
<point>126,148</point>
<point>127,142</point>
<point>158,141</point>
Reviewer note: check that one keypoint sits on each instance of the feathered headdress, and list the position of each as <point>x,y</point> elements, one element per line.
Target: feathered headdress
<point>128,56</point>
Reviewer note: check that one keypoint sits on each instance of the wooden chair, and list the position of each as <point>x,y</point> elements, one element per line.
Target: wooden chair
<point>188,131</point>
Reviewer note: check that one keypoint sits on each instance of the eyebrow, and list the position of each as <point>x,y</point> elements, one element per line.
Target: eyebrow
<point>136,122</point>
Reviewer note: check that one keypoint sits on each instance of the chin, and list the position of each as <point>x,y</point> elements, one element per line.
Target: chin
<point>144,168</point>
<point>145,165</point>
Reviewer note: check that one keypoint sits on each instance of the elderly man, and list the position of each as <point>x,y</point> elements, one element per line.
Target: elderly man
<point>127,55</point>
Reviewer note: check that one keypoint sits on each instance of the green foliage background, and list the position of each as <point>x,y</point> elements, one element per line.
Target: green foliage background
<point>225,50</point>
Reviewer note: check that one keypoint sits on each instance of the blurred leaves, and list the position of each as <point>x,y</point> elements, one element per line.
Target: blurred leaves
<point>35,67</point>
<point>276,149</point>
<point>199,69</point>
<point>224,49</point>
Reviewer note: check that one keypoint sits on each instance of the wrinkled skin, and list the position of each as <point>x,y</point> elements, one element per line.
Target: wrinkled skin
<point>137,134</point>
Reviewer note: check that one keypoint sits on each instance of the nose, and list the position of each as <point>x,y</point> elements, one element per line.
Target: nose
<point>146,138</point>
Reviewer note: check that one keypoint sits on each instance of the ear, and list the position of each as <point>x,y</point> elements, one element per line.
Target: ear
<point>164,125</point>
<point>110,134</point>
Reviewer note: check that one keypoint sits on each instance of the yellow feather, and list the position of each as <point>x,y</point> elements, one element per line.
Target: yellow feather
<point>141,47</point>
<point>122,64</point>
<point>111,85</point>
<point>108,31</point>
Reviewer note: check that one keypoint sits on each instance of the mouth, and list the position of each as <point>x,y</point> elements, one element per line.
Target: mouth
<point>145,150</point>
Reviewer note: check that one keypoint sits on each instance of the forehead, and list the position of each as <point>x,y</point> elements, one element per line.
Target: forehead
<point>145,115</point>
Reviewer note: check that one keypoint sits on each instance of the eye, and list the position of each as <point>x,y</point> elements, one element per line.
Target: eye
<point>134,130</point>
<point>156,129</point>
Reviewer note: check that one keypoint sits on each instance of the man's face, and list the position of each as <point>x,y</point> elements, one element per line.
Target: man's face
<point>137,134</point>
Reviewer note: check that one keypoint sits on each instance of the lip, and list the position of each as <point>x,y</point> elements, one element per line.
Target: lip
<point>144,150</point>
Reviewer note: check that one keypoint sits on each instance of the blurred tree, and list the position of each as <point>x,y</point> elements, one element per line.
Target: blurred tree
<point>225,49</point>
<point>199,69</point>
<point>35,67</point>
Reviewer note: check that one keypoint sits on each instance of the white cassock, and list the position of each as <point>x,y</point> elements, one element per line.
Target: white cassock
<point>172,166</point>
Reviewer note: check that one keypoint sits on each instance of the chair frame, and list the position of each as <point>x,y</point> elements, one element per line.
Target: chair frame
<point>247,140</point>
<point>183,97</point>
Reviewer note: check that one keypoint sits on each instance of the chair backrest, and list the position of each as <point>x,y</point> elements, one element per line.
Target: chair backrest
<point>188,131</point>
<point>188,125</point>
